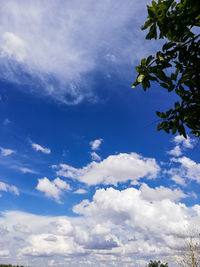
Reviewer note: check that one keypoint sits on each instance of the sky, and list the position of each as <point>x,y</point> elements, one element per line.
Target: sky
<point>86,179</point>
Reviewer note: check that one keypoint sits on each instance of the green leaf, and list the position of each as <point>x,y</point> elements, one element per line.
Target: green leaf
<point>140,78</point>
<point>152,33</point>
<point>151,11</point>
<point>143,61</point>
<point>149,59</point>
<point>177,105</point>
<point>162,76</point>
<point>134,84</point>
<point>164,85</point>
<point>147,24</point>
<point>161,115</point>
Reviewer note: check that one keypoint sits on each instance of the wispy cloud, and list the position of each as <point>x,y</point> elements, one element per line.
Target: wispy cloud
<point>188,169</point>
<point>9,188</point>
<point>6,151</point>
<point>6,121</point>
<point>26,170</point>
<point>95,156</point>
<point>38,147</point>
<point>80,191</point>
<point>60,42</point>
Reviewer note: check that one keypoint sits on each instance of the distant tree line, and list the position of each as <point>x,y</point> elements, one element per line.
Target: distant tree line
<point>10,265</point>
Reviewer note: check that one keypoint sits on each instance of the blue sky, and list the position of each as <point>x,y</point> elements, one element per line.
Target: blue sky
<point>85,177</point>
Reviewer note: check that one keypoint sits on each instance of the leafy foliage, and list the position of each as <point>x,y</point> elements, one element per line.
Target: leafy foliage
<point>176,67</point>
<point>157,264</point>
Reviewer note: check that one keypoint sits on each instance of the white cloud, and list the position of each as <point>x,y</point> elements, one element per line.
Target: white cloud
<point>96,144</point>
<point>13,47</point>
<point>80,191</point>
<point>181,142</point>
<point>3,230</point>
<point>9,188</point>
<point>26,170</point>
<point>178,179</point>
<point>22,228</point>
<point>112,170</point>
<point>44,150</point>
<point>6,151</point>
<point>188,170</point>
<point>61,184</point>
<point>60,43</point>
<point>4,253</point>
<point>40,246</point>
<point>52,189</point>
<point>134,208</point>
<point>95,156</point>
<point>187,143</point>
<point>115,227</point>
<point>176,151</point>
<point>161,192</point>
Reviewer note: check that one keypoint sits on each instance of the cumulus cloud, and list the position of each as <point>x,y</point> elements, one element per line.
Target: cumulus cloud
<point>60,246</point>
<point>112,170</point>
<point>22,228</point>
<point>115,226</point>
<point>161,192</point>
<point>135,208</point>
<point>9,188</point>
<point>6,151</point>
<point>96,144</point>
<point>37,147</point>
<point>60,42</point>
<point>3,230</point>
<point>52,189</point>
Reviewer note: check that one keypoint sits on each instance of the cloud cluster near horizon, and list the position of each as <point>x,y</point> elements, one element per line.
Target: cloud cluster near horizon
<point>118,225</point>
<point>113,226</point>
<point>59,43</point>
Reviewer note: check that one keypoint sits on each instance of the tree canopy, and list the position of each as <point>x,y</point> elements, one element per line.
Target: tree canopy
<point>176,67</point>
<point>157,264</point>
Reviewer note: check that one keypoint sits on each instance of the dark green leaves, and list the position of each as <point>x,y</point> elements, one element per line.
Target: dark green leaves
<point>152,33</point>
<point>157,264</point>
<point>146,25</point>
<point>176,66</point>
